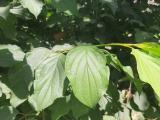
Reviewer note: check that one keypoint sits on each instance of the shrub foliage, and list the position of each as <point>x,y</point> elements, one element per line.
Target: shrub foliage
<point>79,59</point>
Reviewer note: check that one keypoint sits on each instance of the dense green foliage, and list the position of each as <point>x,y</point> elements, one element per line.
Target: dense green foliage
<point>79,59</point>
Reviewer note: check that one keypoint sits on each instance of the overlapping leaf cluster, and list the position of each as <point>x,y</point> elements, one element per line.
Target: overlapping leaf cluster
<point>79,60</point>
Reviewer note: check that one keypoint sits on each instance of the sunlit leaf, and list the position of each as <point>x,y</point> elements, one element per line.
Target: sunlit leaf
<point>36,56</point>
<point>49,80</point>
<point>88,74</point>
<point>148,68</point>
<point>34,6</point>
<point>141,101</point>
<point>151,48</point>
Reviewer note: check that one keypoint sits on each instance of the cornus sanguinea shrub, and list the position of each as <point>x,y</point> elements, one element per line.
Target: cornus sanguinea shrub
<point>79,60</point>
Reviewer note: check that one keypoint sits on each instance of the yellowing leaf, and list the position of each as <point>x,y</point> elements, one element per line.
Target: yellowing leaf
<point>151,48</point>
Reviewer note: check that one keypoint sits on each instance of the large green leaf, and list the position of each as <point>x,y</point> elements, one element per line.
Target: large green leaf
<point>10,54</point>
<point>49,81</point>
<point>19,79</point>
<point>8,113</point>
<point>148,69</point>
<point>88,74</point>
<point>34,6</point>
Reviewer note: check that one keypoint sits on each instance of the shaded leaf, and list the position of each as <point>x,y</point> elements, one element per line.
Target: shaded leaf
<point>19,79</point>
<point>142,36</point>
<point>112,4</point>
<point>8,113</point>
<point>69,7</point>
<point>8,27</point>
<point>10,54</point>
<point>14,100</point>
<point>78,109</point>
<point>59,108</point>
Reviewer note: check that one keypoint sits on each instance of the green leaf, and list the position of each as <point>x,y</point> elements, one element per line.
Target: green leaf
<point>36,56</point>
<point>59,108</point>
<point>49,81</point>
<point>34,6</point>
<point>14,100</point>
<point>143,36</point>
<point>88,74</point>
<point>10,54</point>
<point>148,69</point>
<point>8,27</point>
<point>68,6</point>
<point>8,113</point>
<point>4,11</point>
<point>78,109</point>
<point>19,79</point>
<point>151,48</point>
<point>114,61</point>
